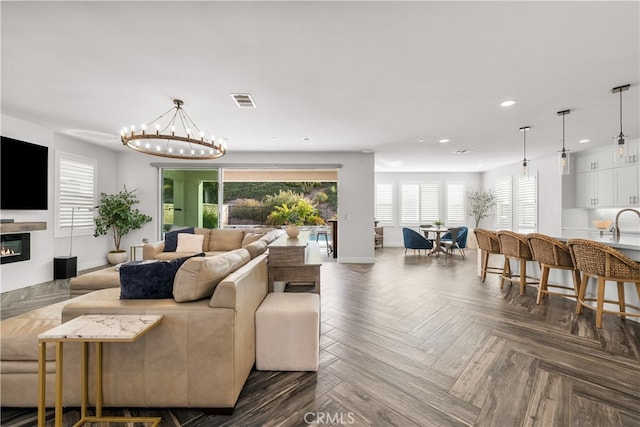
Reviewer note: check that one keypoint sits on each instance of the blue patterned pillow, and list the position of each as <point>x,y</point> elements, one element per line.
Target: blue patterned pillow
<point>149,280</point>
<point>171,238</point>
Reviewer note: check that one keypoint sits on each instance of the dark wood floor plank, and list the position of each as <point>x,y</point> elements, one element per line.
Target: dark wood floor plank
<point>417,411</point>
<point>507,402</point>
<point>588,413</point>
<point>548,405</point>
<point>480,375</point>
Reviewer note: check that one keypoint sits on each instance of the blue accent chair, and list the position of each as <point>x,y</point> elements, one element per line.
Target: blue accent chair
<point>414,240</point>
<point>456,238</point>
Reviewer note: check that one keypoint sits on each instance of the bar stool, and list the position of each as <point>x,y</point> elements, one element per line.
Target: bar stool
<point>516,246</point>
<point>488,243</point>
<point>324,231</point>
<point>605,264</point>
<point>552,253</point>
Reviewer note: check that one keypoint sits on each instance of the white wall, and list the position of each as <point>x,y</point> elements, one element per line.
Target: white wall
<point>44,244</point>
<point>393,232</point>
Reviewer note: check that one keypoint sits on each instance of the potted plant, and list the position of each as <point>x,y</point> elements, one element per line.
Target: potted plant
<point>480,203</point>
<point>438,223</point>
<point>116,215</point>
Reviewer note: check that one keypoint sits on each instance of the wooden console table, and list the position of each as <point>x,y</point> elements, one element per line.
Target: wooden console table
<point>295,260</point>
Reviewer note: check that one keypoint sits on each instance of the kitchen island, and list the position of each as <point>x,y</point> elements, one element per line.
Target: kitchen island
<point>627,243</point>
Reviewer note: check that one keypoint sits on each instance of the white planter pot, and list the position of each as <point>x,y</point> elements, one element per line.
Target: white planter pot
<point>293,231</point>
<point>117,257</point>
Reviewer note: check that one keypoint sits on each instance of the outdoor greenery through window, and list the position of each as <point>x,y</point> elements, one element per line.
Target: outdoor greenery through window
<point>251,203</point>
<point>191,198</point>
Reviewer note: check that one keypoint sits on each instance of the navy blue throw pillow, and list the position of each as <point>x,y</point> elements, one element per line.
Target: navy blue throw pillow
<point>149,280</point>
<point>171,239</point>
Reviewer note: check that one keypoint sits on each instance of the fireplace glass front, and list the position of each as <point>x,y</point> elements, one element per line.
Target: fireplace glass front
<point>15,247</point>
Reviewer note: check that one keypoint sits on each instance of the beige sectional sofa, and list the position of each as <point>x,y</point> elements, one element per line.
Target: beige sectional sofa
<point>199,356</point>
<point>214,242</point>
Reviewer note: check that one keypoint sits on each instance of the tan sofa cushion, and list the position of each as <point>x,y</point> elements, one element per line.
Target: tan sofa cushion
<point>256,248</point>
<point>225,239</point>
<point>250,238</point>
<point>198,277</point>
<point>190,242</point>
<point>206,232</point>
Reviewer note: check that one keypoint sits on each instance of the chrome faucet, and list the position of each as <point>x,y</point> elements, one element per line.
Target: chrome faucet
<point>616,229</point>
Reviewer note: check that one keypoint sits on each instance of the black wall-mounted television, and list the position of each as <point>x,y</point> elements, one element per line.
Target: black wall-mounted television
<point>24,175</point>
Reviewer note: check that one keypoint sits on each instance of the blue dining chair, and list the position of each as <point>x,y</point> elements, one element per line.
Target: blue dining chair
<point>414,240</point>
<point>456,238</point>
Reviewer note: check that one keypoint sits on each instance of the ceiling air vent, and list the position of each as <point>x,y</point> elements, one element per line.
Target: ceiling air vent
<point>243,100</point>
<point>462,151</point>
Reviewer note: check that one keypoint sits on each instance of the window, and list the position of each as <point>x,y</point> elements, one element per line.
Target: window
<point>75,191</point>
<point>384,203</point>
<point>526,204</point>
<point>455,204</point>
<point>503,203</point>
<point>429,202</point>
<point>410,203</point>
<point>419,203</point>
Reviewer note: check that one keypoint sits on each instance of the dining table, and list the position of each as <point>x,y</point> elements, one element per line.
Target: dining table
<point>438,232</point>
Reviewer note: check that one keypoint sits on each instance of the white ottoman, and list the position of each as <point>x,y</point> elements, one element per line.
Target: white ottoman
<point>288,332</point>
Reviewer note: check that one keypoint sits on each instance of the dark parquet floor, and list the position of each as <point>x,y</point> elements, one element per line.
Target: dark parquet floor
<point>421,341</point>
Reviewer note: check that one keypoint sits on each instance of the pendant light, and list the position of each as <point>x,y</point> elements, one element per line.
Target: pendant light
<point>618,141</point>
<point>525,162</point>
<point>563,155</point>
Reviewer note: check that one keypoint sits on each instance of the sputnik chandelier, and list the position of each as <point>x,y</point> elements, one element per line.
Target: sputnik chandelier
<point>173,137</point>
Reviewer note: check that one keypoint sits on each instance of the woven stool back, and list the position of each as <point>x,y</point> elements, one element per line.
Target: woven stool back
<point>514,245</point>
<point>597,259</point>
<point>550,251</point>
<point>487,240</point>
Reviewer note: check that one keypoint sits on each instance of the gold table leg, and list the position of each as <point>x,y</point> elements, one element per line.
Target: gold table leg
<point>42,382</point>
<point>59,375</point>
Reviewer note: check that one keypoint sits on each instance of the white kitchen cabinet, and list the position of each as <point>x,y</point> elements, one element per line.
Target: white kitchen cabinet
<point>632,155</point>
<point>594,189</point>
<point>593,160</point>
<point>627,186</point>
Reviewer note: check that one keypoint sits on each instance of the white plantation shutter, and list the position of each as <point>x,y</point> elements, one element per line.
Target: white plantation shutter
<point>384,203</point>
<point>526,204</point>
<point>455,204</point>
<point>75,189</point>
<point>503,203</point>
<point>409,203</point>
<point>429,202</point>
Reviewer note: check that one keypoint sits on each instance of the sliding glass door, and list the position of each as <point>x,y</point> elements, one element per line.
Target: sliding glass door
<point>190,198</point>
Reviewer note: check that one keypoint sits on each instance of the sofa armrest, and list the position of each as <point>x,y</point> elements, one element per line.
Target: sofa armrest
<point>244,288</point>
<point>150,250</point>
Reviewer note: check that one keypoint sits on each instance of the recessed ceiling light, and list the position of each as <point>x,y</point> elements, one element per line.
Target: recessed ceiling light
<point>306,138</point>
<point>421,140</point>
<point>584,141</point>
<point>367,151</point>
<point>507,103</point>
<point>443,141</point>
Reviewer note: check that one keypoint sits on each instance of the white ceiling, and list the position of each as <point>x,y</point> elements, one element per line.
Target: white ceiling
<point>347,75</point>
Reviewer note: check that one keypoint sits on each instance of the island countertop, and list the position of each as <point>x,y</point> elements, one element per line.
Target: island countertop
<point>629,244</point>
